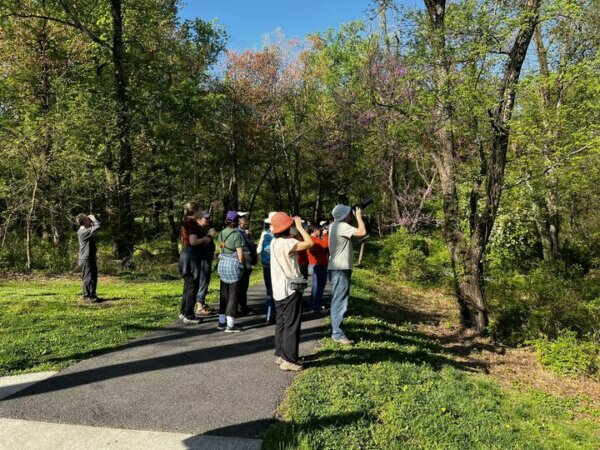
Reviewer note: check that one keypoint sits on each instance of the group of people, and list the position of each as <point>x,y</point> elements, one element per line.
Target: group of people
<point>289,251</point>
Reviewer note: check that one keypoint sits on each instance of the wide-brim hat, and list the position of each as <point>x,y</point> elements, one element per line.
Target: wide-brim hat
<point>340,212</point>
<point>270,217</point>
<point>281,222</point>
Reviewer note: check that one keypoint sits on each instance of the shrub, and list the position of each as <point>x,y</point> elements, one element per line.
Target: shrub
<point>524,307</point>
<point>415,257</point>
<point>567,355</point>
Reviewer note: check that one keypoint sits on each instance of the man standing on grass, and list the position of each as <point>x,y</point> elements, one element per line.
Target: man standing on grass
<point>340,264</point>
<point>88,226</point>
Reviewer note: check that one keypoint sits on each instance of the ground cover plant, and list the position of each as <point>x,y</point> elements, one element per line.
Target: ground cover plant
<point>401,387</point>
<point>44,326</point>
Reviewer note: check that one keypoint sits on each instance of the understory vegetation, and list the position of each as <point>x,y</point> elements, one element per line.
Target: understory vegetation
<point>400,387</point>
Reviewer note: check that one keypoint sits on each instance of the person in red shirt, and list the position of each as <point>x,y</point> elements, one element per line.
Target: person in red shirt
<point>318,259</point>
<point>189,267</point>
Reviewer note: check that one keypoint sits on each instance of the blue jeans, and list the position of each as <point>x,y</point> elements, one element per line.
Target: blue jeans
<point>318,286</point>
<point>270,302</point>
<point>205,266</point>
<point>340,292</point>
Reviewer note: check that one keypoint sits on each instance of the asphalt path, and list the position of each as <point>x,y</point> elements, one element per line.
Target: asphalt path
<point>189,379</point>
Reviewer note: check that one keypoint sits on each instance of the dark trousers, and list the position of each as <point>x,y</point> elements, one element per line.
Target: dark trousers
<point>228,298</point>
<point>191,283</point>
<point>89,277</point>
<point>287,329</point>
<point>205,266</point>
<point>244,283</point>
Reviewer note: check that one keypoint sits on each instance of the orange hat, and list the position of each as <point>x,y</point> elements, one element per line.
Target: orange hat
<point>281,222</point>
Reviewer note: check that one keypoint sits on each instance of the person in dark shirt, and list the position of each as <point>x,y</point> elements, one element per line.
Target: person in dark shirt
<point>189,261</point>
<point>207,254</point>
<point>88,226</point>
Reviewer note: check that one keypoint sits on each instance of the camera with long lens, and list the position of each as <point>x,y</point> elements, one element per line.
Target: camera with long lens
<point>363,204</point>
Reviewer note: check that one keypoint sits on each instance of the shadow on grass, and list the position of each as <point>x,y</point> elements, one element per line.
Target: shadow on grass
<point>289,435</point>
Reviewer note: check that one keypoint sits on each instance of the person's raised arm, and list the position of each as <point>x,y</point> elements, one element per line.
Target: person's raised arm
<point>91,231</point>
<point>361,231</point>
<point>307,242</point>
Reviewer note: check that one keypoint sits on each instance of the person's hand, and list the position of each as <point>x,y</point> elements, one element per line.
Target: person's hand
<point>358,213</point>
<point>298,221</point>
<point>212,233</point>
<point>92,217</point>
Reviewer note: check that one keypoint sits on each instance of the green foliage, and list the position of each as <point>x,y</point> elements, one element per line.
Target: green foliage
<point>415,257</point>
<point>543,302</point>
<point>397,388</point>
<point>570,356</point>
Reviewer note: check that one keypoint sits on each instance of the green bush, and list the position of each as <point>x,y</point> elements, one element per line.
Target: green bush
<point>567,355</point>
<point>543,302</point>
<point>415,257</point>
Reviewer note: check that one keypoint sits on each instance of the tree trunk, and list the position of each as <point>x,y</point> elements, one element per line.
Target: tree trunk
<point>467,255</point>
<point>122,221</point>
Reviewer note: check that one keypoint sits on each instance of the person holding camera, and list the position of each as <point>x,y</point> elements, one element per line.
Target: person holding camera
<point>86,234</point>
<point>341,259</point>
<point>288,284</point>
<point>318,258</point>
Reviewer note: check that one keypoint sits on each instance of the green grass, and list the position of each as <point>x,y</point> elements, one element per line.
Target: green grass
<point>397,388</point>
<point>44,326</point>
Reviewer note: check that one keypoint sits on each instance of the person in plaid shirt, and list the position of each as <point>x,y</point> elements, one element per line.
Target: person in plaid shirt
<point>231,264</point>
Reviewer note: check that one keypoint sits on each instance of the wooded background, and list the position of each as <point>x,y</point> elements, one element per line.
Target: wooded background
<point>472,122</point>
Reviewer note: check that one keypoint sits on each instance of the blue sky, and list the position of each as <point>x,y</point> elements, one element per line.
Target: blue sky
<point>247,21</point>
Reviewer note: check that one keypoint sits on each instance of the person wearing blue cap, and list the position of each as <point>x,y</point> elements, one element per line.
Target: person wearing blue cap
<point>340,264</point>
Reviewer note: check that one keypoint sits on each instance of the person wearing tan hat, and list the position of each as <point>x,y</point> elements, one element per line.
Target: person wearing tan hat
<point>288,300</point>
<point>264,250</point>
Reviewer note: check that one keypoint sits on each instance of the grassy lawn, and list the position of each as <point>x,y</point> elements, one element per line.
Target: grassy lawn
<point>44,326</point>
<point>400,388</point>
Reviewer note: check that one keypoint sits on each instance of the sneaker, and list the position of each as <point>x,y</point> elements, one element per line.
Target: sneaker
<point>187,321</point>
<point>290,367</point>
<point>221,326</point>
<point>233,329</point>
<point>343,341</point>
<point>181,317</point>
<point>95,300</point>
<point>203,310</point>
<point>279,360</point>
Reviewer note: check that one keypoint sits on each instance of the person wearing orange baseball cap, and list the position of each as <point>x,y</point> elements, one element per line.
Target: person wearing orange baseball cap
<point>288,285</point>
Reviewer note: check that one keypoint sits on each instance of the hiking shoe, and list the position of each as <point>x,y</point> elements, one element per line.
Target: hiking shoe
<point>343,341</point>
<point>279,360</point>
<point>203,310</point>
<point>187,321</point>
<point>290,367</point>
<point>221,326</point>
<point>233,329</point>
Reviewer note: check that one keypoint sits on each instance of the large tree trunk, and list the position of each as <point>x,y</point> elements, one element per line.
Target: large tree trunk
<point>122,220</point>
<point>467,254</point>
